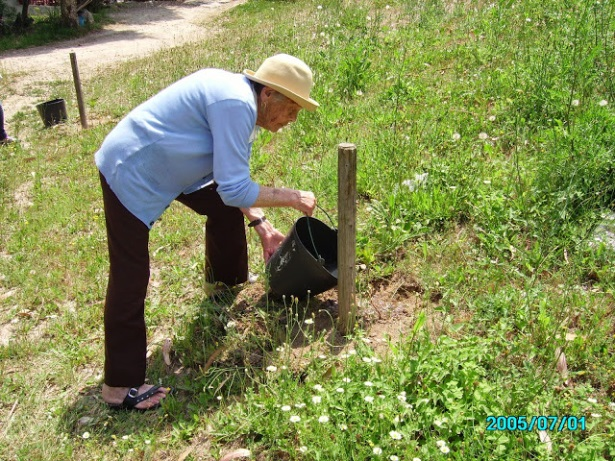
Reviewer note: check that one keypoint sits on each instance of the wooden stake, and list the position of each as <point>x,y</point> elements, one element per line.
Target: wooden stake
<point>77,80</point>
<point>346,238</point>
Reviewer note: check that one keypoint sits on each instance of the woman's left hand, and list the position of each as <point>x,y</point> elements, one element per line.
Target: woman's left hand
<point>271,238</point>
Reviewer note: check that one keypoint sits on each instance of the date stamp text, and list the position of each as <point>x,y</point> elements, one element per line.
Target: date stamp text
<point>541,423</point>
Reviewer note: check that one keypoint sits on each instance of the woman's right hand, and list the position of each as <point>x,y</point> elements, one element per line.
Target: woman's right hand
<point>306,202</point>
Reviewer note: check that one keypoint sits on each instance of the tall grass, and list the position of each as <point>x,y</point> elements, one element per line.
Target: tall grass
<point>485,142</point>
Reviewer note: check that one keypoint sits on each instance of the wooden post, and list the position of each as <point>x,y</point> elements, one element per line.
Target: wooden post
<point>77,80</point>
<point>346,238</point>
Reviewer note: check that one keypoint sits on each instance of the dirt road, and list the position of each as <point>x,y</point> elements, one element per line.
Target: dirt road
<point>139,29</point>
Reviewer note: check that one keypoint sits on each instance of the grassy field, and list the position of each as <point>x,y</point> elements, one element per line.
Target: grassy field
<point>485,135</point>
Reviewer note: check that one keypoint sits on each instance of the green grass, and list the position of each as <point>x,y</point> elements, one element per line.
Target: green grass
<point>485,144</point>
<point>46,28</point>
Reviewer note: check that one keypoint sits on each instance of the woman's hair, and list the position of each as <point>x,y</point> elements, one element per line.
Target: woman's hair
<point>258,87</point>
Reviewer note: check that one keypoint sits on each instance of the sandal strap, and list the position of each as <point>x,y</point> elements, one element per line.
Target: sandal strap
<point>134,398</point>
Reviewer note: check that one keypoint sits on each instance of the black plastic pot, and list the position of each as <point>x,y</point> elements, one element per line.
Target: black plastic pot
<point>52,112</point>
<point>306,261</point>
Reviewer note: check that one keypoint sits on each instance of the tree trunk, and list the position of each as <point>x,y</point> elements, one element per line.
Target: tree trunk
<point>68,12</point>
<point>24,11</point>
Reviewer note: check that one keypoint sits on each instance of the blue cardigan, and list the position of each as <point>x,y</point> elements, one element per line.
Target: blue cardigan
<point>199,129</point>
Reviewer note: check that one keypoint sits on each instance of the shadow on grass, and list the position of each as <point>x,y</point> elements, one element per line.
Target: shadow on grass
<point>218,352</point>
<point>88,416</point>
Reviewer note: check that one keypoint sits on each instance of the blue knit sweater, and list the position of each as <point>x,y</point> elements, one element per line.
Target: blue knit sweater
<point>199,129</point>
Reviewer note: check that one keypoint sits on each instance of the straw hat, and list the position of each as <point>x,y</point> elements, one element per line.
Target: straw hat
<point>287,75</point>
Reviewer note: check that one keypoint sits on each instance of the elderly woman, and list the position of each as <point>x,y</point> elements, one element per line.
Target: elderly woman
<point>191,143</point>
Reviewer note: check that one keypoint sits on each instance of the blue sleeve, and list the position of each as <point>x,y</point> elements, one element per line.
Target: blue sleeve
<point>231,123</point>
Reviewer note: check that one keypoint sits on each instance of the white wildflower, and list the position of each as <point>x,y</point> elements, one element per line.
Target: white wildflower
<point>445,449</point>
<point>440,443</point>
<point>368,383</point>
<point>592,400</point>
<point>603,103</point>
<point>339,390</point>
<point>309,321</point>
<point>395,435</point>
<point>85,435</point>
<point>482,135</point>
<point>323,419</point>
<point>303,449</point>
<point>316,399</point>
<point>295,419</point>
<point>377,451</point>
<point>456,136</point>
<point>318,387</point>
<point>410,184</point>
<point>368,399</point>
<point>286,408</point>
<point>575,102</point>
<point>272,368</point>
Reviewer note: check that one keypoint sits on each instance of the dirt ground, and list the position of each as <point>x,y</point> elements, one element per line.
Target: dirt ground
<point>139,29</point>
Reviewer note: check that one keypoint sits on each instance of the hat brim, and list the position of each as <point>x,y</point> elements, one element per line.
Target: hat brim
<point>308,104</point>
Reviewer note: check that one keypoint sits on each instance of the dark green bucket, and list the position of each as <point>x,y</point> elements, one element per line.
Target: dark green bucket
<point>306,261</point>
<point>52,112</point>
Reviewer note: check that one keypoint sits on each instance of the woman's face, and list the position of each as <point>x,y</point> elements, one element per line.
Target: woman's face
<point>276,110</point>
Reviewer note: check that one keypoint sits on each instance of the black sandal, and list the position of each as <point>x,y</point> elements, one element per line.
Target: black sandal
<point>133,399</point>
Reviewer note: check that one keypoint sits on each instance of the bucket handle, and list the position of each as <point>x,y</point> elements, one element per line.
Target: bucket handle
<point>320,259</point>
<point>327,214</point>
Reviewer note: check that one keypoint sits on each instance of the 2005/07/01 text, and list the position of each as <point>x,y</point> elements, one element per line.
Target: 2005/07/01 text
<point>541,423</point>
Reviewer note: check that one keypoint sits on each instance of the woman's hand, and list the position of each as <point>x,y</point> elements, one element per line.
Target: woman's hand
<point>306,202</point>
<point>271,238</point>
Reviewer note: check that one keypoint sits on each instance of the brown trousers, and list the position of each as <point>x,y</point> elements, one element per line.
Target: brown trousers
<point>128,239</point>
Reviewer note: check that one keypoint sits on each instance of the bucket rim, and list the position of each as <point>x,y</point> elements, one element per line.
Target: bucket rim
<point>52,101</point>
